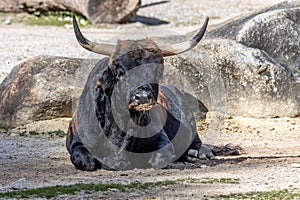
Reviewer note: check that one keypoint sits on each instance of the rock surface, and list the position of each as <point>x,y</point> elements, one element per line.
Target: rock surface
<point>19,184</point>
<point>249,66</point>
<point>42,88</point>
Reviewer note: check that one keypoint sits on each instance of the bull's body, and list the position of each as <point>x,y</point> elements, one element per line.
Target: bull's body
<point>95,137</point>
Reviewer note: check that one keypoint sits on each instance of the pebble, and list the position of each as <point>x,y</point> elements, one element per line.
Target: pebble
<point>19,184</point>
<point>8,21</point>
<point>295,165</point>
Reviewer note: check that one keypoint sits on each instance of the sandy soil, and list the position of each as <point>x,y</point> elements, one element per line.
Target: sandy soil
<point>270,162</point>
<point>272,148</point>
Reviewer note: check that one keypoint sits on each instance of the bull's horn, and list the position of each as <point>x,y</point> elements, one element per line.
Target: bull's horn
<point>101,48</point>
<point>174,49</point>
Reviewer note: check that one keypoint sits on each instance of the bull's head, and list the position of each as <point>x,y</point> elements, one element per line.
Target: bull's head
<point>129,54</point>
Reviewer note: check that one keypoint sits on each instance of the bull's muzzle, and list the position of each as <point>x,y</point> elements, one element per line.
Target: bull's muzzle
<point>142,100</point>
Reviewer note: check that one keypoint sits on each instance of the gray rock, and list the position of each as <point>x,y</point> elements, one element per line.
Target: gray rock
<point>19,184</point>
<point>249,66</point>
<point>42,88</point>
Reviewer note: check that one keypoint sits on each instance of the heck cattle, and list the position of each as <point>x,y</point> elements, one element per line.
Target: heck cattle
<point>125,118</point>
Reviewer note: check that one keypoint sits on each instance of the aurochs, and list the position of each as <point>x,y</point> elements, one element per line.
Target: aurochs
<point>143,131</point>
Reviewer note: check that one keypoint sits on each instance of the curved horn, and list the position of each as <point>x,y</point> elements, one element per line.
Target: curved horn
<point>101,48</point>
<point>174,49</point>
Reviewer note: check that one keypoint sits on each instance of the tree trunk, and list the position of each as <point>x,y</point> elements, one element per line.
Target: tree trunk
<point>97,11</point>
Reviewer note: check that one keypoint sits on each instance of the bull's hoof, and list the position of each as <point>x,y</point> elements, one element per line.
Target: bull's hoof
<point>83,160</point>
<point>206,153</point>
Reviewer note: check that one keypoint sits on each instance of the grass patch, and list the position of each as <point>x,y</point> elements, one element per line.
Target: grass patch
<point>286,194</point>
<point>51,18</point>
<point>23,133</point>
<point>58,133</point>
<point>50,192</point>
<point>221,180</point>
<point>33,133</point>
<point>213,180</point>
<point>230,117</point>
<point>201,124</point>
<point>3,127</point>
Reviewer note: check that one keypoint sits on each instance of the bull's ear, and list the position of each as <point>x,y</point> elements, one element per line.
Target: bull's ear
<point>116,69</point>
<point>119,71</point>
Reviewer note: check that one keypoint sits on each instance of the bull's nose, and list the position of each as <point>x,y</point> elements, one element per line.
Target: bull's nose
<point>142,97</point>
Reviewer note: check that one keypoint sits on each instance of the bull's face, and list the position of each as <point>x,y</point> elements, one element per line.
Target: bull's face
<point>138,61</point>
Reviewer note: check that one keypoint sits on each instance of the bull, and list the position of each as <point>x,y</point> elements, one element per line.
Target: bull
<point>149,115</point>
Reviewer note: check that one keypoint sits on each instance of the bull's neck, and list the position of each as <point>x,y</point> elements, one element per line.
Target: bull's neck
<point>141,118</point>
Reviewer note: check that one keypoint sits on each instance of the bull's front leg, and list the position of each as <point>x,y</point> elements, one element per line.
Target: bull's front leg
<point>165,151</point>
<point>80,156</point>
<point>197,150</point>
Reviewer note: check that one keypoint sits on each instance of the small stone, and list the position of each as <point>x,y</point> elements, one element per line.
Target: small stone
<point>295,165</point>
<point>7,21</point>
<point>19,184</point>
<point>68,26</point>
<point>113,189</point>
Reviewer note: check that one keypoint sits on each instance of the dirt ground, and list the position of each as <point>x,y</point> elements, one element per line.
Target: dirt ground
<point>272,148</point>
<point>270,162</point>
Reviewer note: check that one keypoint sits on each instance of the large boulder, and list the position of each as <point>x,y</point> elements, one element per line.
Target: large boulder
<point>42,88</point>
<point>249,66</point>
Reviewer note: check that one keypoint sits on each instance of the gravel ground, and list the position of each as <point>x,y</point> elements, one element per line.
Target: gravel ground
<point>271,162</point>
<point>271,145</point>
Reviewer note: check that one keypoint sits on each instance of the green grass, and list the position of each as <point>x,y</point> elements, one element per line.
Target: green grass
<point>33,133</point>
<point>221,180</point>
<point>23,133</point>
<point>58,133</point>
<point>50,192</point>
<point>230,117</point>
<point>212,180</point>
<point>201,124</point>
<point>284,194</point>
<point>50,18</point>
<point>3,127</point>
